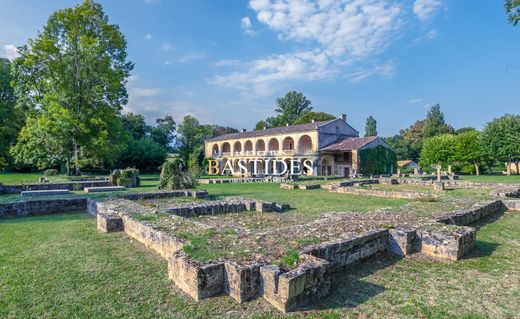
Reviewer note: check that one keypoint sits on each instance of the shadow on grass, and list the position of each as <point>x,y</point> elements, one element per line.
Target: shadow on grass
<point>349,289</point>
<point>482,249</point>
<point>52,218</point>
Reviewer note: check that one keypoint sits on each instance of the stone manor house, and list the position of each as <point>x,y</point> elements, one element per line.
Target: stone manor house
<point>332,147</point>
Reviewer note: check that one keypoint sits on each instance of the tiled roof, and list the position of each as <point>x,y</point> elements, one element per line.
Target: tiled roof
<point>271,131</point>
<point>350,143</point>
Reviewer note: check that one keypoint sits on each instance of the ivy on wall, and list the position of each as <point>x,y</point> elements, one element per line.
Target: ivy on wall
<point>377,160</point>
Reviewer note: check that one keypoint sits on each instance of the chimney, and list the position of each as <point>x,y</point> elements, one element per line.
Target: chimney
<point>313,120</point>
<point>286,124</point>
<point>244,130</point>
<point>343,117</point>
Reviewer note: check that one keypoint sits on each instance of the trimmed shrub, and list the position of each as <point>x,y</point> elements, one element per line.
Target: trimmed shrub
<point>50,172</point>
<point>175,176</point>
<point>125,177</point>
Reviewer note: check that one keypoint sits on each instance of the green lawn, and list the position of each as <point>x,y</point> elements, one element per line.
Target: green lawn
<point>59,266</point>
<point>492,178</point>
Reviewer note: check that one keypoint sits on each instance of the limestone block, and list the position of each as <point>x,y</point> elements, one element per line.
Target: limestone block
<point>109,223</point>
<point>198,280</point>
<point>447,242</point>
<point>263,207</point>
<point>438,186</point>
<point>242,282</point>
<point>403,242</point>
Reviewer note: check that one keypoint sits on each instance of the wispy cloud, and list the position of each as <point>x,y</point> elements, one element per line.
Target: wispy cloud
<point>247,26</point>
<point>385,70</point>
<point>167,47</point>
<point>415,100</point>
<point>425,9</point>
<point>191,56</point>
<point>226,62</point>
<point>152,1</point>
<point>148,36</point>
<point>338,33</point>
<point>9,51</point>
<point>432,34</point>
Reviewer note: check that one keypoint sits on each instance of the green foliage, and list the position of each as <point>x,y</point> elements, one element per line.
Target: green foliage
<point>50,172</point>
<point>128,177</point>
<point>500,139</point>
<point>71,81</point>
<point>194,166</point>
<point>468,150</point>
<point>292,106</point>
<point>290,258</point>
<point>11,119</point>
<point>135,125</point>
<point>191,137</point>
<point>371,126</point>
<point>175,176</point>
<point>377,160</point>
<point>438,150</point>
<point>143,154</point>
<point>317,116</point>
<point>513,11</point>
<point>163,133</point>
<point>401,147</point>
<point>435,123</point>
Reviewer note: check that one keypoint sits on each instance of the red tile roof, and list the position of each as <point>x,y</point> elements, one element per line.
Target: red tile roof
<point>271,131</point>
<point>350,143</point>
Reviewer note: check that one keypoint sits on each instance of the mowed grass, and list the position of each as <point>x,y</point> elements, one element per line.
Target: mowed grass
<point>512,179</point>
<point>59,266</point>
<point>309,202</point>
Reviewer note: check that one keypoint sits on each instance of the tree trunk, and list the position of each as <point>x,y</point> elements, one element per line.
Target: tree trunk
<point>449,170</point>
<point>508,168</point>
<point>477,171</point>
<point>76,159</point>
<point>517,171</point>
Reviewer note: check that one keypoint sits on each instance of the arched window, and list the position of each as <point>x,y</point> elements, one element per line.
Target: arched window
<point>248,146</point>
<point>273,144</point>
<point>226,148</point>
<point>305,144</point>
<point>288,144</point>
<point>260,145</point>
<point>214,150</point>
<point>237,147</point>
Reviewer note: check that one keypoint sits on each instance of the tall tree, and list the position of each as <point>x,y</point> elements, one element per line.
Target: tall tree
<point>371,126</point>
<point>164,133</point>
<point>413,135</point>
<point>435,123</point>
<point>71,78</point>
<point>513,11</point>
<point>292,106</point>
<point>401,147</point>
<point>467,148</point>
<point>438,150</point>
<point>10,118</point>
<point>500,138</point>
<point>135,125</point>
<point>191,138</point>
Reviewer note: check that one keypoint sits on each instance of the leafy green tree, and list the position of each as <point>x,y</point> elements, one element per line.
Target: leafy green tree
<point>71,80</point>
<point>191,138</point>
<point>135,125</point>
<point>164,133</point>
<point>401,147</point>
<point>438,150</point>
<point>465,129</point>
<point>435,123</point>
<point>467,148</point>
<point>413,136</point>
<point>513,11</point>
<point>317,116</point>
<point>371,126</point>
<point>10,118</point>
<point>500,140</point>
<point>292,106</point>
<point>218,130</point>
<point>144,154</point>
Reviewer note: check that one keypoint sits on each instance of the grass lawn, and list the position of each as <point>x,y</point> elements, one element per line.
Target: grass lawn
<point>59,266</point>
<point>512,179</point>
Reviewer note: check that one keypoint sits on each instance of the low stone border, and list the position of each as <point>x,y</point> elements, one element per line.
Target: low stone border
<point>242,180</point>
<point>42,207</point>
<point>444,239</point>
<point>17,189</point>
<point>226,206</point>
<point>299,186</point>
<point>383,193</point>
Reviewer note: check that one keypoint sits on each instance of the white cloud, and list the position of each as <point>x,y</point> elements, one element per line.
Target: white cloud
<point>167,47</point>
<point>152,1</point>
<point>226,62</point>
<point>415,100</point>
<point>10,51</point>
<point>148,36</point>
<point>247,26</point>
<point>166,63</point>
<point>424,9</point>
<point>335,35</point>
<point>384,70</point>
<point>191,56</point>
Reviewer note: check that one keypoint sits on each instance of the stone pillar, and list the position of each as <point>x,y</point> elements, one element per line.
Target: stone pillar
<point>438,186</point>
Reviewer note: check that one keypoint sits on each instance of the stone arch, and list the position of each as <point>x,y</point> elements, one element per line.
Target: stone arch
<point>237,147</point>
<point>248,146</point>
<point>260,145</point>
<point>274,145</point>
<point>326,166</point>
<point>226,148</point>
<point>288,144</point>
<point>305,144</point>
<point>214,149</point>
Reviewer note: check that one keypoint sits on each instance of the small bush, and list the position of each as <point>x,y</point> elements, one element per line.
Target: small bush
<point>50,172</point>
<point>175,176</point>
<point>125,177</point>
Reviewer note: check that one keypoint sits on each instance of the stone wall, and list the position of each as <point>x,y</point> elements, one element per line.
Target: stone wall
<point>475,213</point>
<point>382,193</point>
<point>42,207</point>
<point>16,189</point>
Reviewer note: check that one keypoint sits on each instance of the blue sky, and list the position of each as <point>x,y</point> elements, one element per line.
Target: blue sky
<point>226,62</point>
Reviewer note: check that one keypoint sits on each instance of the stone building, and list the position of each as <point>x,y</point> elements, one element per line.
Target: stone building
<point>331,146</point>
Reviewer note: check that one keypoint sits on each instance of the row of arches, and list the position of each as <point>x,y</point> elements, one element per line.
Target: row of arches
<point>304,145</point>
